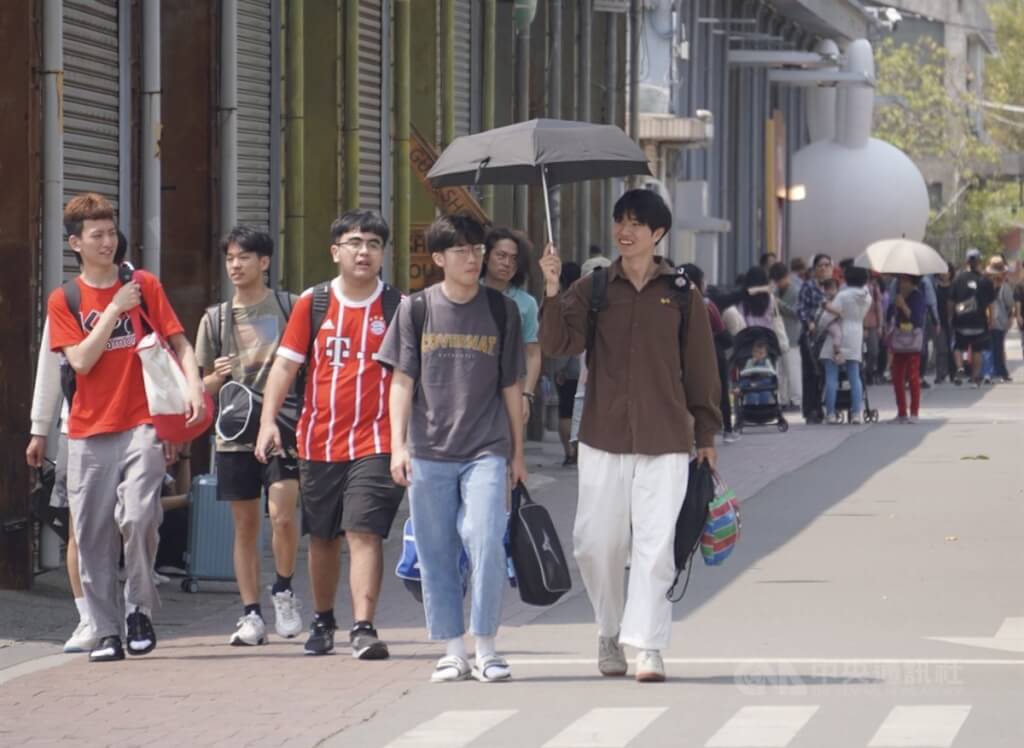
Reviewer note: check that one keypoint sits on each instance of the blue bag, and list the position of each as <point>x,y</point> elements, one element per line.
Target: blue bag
<point>408,568</point>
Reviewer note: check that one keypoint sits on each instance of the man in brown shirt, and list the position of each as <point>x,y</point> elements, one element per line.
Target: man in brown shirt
<point>647,402</point>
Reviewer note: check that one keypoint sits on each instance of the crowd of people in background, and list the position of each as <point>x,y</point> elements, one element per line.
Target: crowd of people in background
<point>839,325</point>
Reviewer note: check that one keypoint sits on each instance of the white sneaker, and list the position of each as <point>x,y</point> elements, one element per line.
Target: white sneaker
<point>83,639</point>
<point>287,621</point>
<point>251,631</point>
<point>649,666</point>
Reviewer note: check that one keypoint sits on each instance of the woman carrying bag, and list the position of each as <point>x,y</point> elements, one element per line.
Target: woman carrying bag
<point>905,339</point>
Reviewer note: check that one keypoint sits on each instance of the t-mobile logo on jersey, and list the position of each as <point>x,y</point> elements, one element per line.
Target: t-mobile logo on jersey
<point>337,350</point>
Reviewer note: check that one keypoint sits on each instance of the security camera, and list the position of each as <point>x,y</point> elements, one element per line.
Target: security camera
<point>892,16</point>
<point>705,116</point>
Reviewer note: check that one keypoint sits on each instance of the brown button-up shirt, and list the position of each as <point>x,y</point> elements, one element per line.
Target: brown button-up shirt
<point>641,392</point>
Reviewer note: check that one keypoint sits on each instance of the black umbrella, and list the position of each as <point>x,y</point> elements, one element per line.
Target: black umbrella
<point>541,151</point>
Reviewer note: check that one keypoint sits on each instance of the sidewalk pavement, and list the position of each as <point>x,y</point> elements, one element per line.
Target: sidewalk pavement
<point>194,689</point>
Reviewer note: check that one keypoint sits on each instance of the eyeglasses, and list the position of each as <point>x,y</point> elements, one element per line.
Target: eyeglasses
<point>824,264</point>
<point>502,256</point>
<point>467,250</point>
<point>354,245</point>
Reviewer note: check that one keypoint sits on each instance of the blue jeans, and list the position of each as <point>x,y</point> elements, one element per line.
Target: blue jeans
<point>832,386</point>
<point>453,501</point>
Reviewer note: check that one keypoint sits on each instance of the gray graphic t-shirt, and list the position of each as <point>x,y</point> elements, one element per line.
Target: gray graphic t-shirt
<point>256,334</point>
<point>458,413</point>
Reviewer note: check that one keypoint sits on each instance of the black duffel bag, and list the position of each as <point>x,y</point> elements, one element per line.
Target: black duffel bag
<point>238,415</point>
<point>700,491</point>
<point>542,573</point>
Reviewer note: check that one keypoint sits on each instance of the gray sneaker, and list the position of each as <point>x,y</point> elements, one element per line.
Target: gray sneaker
<point>611,659</point>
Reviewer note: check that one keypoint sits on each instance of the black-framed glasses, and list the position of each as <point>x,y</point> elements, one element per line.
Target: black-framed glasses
<point>355,244</point>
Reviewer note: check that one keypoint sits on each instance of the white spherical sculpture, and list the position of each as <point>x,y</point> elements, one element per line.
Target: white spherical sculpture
<point>858,189</point>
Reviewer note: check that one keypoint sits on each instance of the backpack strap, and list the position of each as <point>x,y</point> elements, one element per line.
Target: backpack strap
<point>391,297</point>
<point>73,298</point>
<point>598,302</point>
<point>681,285</point>
<point>499,313</point>
<point>418,309</point>
<point>284,303</point>
<point>317,313</point>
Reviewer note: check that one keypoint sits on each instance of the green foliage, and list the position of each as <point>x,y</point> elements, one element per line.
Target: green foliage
<point>1004,74</point>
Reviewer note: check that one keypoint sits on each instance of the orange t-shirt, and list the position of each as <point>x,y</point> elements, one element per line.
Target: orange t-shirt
<point>345,415</point>
<point>112,397</point>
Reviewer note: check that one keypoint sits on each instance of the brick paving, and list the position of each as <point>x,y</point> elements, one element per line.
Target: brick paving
<point>195,690</point>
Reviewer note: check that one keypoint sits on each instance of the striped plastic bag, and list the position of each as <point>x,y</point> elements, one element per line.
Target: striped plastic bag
<point>722,529</point>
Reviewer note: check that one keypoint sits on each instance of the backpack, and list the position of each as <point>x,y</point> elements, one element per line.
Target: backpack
<point>73,298</point>
<point>222,321</point>
<point>496,304</point>
<point>391,297</point>
<point>679,286</point>
<point>690,524</point>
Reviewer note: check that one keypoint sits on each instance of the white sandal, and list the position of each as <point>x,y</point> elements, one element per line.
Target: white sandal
<point>492,669</point>
<point>450,669</point>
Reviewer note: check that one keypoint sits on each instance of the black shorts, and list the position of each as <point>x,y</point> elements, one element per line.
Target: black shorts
<point>976,343</point>
<point>357,495</point>
<point>566,397</point>
<point>240,476</point>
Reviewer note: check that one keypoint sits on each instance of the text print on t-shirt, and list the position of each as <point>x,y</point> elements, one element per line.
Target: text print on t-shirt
<point>455,345</point>
<point>123,335</point>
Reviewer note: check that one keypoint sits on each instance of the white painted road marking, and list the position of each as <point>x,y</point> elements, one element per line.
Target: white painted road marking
<point>606,728</point>
<point>762,727</point>
<point>590,661</point>
<point>454,729</point>
<point>921,727</point>
<point>1009,637</point>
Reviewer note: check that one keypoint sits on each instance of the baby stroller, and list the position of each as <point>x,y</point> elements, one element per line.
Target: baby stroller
<point>757,389</point>
<point>844,400</point>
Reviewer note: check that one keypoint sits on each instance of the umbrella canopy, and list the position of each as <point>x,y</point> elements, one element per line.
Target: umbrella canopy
<point>901,257</point>
<point>569,151</point>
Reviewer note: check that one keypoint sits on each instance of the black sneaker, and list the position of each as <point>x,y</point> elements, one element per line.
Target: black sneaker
<point>321,639</point>
<point>141,637</point>
<point>108,650</point>
<point>366,645</point>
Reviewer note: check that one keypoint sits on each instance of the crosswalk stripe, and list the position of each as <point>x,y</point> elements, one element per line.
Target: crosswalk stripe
<point>453,729</point>
<point>762,727</point>
<point>606,728</point>
<point>933,726</point>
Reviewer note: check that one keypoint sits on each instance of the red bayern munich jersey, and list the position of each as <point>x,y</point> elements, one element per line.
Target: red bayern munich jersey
<point>345,415</point>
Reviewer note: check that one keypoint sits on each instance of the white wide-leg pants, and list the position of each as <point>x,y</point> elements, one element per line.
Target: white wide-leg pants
<point>623,495</point>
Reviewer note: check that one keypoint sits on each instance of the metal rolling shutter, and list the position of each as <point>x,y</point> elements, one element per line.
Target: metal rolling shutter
<point>463,66</point>
<point>254,136</point>
<point>90,104</point>
<point>371,114</point>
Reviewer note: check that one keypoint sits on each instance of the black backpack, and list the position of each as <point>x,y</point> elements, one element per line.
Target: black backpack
<point>496,304</point>
<point>679,286</point>
<point>542,573</point>
<point>391,297</point>
<point>73,298</point>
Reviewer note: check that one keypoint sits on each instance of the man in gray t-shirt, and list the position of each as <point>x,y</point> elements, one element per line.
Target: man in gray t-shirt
<point>457,438</point>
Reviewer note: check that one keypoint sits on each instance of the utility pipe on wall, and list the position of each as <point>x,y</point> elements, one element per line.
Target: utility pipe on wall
<point>583,210</point>
<point>635,19</point>
<point>125,124</point>
<point>523,13</point>
<point>403,116</point>
<point>490,44</point>
<point>53,145</point>
<point>447,72</point>
<point>228,114</point>
<point>611,90</point>
<point>555,100</point>
<point>351,114</point>
<point>151,126</point>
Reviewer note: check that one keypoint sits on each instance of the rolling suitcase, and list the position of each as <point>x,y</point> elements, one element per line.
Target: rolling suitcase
<point>211,534</point>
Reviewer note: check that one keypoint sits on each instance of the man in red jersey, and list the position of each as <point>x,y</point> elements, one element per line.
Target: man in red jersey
<point>115,462</point>
<point>344,433</point>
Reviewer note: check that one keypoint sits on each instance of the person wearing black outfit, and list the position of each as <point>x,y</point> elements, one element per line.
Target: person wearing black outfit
<point>944,364</point>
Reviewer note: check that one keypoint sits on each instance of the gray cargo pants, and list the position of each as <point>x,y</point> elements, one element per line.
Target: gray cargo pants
<point>114,483</point>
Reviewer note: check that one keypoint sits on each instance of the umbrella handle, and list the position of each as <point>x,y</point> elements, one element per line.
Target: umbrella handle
<point>547,202</point>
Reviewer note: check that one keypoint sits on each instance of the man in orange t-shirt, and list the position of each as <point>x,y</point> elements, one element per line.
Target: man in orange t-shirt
<point>115,461</point>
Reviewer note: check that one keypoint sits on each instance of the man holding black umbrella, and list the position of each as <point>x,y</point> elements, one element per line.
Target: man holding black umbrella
<point>651,366</point>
